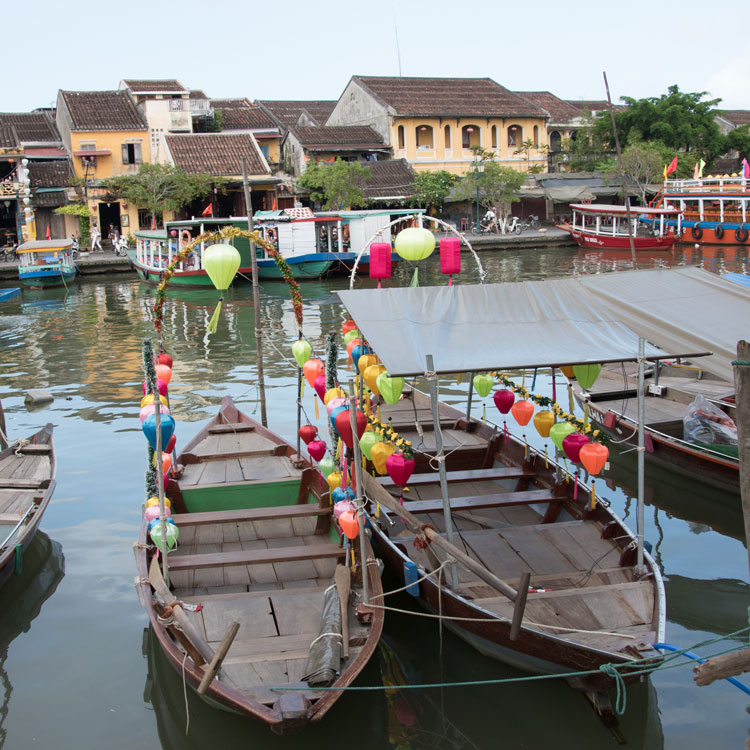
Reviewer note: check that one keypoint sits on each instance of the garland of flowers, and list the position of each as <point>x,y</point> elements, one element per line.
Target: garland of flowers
<point>227,233</point>
<point>559,412</point>
<point>390,435</point>
<point>149,370</point>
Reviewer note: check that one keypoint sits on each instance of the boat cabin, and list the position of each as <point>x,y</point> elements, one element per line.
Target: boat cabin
<point>298,231</point>
<point>714,200</point>
<point>612,220</point>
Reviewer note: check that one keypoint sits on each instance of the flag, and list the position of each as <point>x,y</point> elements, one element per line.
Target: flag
<point>153,222</point>
<point>700,169</point>
<point>274,203</point>
<point>745,169</point>
<point>47,231</point>
<point>672,167</point>
<point>208,210</point>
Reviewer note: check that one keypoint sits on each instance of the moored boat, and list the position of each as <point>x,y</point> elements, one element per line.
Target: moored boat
<point>46,263</point>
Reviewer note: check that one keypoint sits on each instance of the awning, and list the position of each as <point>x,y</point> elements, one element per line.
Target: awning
<point>588,319</point>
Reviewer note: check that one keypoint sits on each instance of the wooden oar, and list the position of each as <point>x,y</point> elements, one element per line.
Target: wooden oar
<point>343,579</point>
<point>221,652</point>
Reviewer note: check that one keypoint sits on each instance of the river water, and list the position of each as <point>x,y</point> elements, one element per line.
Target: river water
<point>77,668</point>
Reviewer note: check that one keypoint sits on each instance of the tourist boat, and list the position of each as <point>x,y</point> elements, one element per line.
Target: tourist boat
<point>670,389</point>
<point>46,263</point>
<point>257,546</point>
<point>715,209</point>
<point>27,481</point>
<point>597,225</point>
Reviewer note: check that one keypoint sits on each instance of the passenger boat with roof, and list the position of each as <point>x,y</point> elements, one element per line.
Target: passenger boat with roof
<point>598,225</point>
<point>46,263</point>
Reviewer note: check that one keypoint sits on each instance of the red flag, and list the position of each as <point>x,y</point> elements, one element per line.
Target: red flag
<point>672,166</point>
<point>153,222</point>
<point>47,231</point>
<point>208,210</point>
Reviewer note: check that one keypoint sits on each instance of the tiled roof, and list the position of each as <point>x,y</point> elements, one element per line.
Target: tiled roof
<point>217,154</point>
<point>103,110</point>
<point>226,103</point>
<point>31,127</point>
<point>7,136</point>
<point>287,112</point>
<point>392,178</point>
<point>244,118</point>
<point>169,85</point>
<point>559,110</point>
<point>595,105</point>
<point>736,116</point>
<point>452,97</point>
<point>339,136</point>
<point>197,94</point>
<point>52,173</point>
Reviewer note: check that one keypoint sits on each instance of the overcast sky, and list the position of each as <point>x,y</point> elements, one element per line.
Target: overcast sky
<point>266,49</point>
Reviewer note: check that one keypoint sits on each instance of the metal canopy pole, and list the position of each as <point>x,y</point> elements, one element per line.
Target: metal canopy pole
<point>360,495</point>
<point>641,448</point>
<point>440,457</point>
<point>471,390</point>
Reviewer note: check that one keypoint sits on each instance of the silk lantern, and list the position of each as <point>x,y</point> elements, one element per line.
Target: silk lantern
<point>339,495</point>
<point>390,388</point>
<point>221,262</point>
<point>161,386</point>
<point>567,370</point>
<point>594,457</point>
<point>349,524</point>
<point>320,387</point>
<point>371,375</point>
<point>149,429</point>
<point>586,375</point>
<point>543,421</point>
<point>155,501</point>
<point>164,359</point>
<point>380,261</point>
<point>450,257</point>
<point>415,243</point>
<point>333,393</point>
<point>308,433</point>
<point>153,512</point>
<point>522,410</point>
<point>342,503</point>
<point>352,343</point>
<point>559,431</point>
<point>357,352</point>
<point>172,533</point>
<point>149,409</point>
<point>334,416</point>
<point>344,426</point>
<point>379,454</point>
<point>572,445</point>
<point>302,351</point>
<point>399,468</point>
<point>171,444</point>
<point>334,403</point>
<point>316,449</point>
<point>149,399</point>
<point>326,466</point>
<point>166,462</point>
<point>368,441</point>
<point>347,326</point>
<point>365,361</point>
<point>312,369</point>
<point>334,480</point>
<point>504,400</point>
<point>349,335</point>
<point>483,383</point>
<point>164,373</point>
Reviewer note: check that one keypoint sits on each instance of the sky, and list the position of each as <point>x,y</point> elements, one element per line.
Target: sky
<point>309,50</point>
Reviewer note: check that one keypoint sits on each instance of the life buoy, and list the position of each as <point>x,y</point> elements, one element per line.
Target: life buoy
<point>271,234</point>
<point>345,233</point>
<point>185,237</point>
<point>719,231</point>
<point>696,231</point>
<point>740,234</point>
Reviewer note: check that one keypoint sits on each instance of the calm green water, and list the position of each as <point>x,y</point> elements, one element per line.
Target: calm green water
<point>75,668</point>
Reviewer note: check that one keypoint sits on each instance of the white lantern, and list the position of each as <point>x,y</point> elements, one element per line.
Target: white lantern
<point>25,162</point>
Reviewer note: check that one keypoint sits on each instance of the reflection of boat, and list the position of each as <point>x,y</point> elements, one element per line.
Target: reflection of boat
<point>604,226</point>
<point>27,481</point>
<point>257,546</point>
<point>45,263</point>
<point>9,293</point>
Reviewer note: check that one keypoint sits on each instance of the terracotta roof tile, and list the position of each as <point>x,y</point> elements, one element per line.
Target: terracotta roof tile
<point>52,173</point>
<point>559,110</point>
<point>7,136</point>
<point>170,85</point>
<point>392,178</point>
<point>226,103</point>
<point>595,105</point>
<point>31,127</point>
<point>244,118</point>
<point>736,116</point>
<point>435,97</point>
<point>217,154</point>
<point>287,112</point>
<point>339,136</point>
<point>103,110</point>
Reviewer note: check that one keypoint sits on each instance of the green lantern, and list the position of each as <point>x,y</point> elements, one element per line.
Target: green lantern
<point>559,431</point>
<point>302,351</point>
<point>415,243</point>
<point>221,263</point>
<point>483,383</point>
<point>326,466</point>
<point>586,375</point>
<point>367,441</point>
<point>390,388</point>
<point>349,335</point>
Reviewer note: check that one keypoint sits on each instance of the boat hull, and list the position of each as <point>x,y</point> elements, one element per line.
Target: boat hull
<point>602,242</point>
<point>47,277</point>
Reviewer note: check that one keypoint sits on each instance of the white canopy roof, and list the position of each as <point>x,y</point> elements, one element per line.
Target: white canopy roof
<point>586,319</point>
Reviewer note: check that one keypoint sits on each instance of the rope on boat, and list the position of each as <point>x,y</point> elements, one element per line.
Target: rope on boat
<point>184,692</point>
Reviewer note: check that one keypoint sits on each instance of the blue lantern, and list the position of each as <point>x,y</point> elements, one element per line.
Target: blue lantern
<point>167,429</point>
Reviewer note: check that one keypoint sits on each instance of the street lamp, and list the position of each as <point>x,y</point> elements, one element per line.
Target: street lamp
<point>478,169</point>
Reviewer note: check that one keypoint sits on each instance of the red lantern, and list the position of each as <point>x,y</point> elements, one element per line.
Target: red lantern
<point>399,468</point>
<point>523,411</point>
<point>344,426</point>
<point>380,261</point>
<point>504,400</point>
<point>450,257</point>
<point>593,457</point>
<point>171,444</point>
<point>312,369</point>
<point>348,325</point>
<point>317,449</point>
<point>349,524</point>
<point>572,445</point>
<point>320,387</point>
<point>164,359</point>
<point>308,432</point>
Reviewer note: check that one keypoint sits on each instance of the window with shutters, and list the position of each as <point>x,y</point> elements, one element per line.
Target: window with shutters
<point>131,153</point>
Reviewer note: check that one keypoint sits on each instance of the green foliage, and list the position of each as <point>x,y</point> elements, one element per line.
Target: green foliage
<point>497,185</point>
<point>160,187</point>
<point>432,188</point>
<point>739,140</point>
<point>81,210</point>
<point>337,184</point>
<point>589,151</point>
<point>643,164</point>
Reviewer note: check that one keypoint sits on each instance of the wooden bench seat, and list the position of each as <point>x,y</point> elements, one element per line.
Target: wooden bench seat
<point>250,514</point>
<point>36,450</point>
<point>188,459</point>
<point>497,500</point>
<point>220,429</point>
<point>24,484</point>
<point>471,475</point>
<point>255,557</point>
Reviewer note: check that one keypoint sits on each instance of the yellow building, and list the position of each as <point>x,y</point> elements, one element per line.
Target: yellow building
<point>106,136</point>
<point>435,122</point>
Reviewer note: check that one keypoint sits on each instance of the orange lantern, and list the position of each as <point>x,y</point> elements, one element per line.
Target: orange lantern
<point>311,369</point>
<point>351,345</point>
<point>349,524</point>
<point>523,411</point>
<point>594,456</point>
<point>164,373</point>
<point>567,370</point>
<point>166,462</point>
<point>347,326</point>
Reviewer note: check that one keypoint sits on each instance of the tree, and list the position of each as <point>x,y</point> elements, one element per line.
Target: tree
<point>335,185</point>
<point>643,164</point>
<point>526,148</point>
<point>739,140</point>
<point>160,187</point>
<point>432,188</point>
<point>81,210</point>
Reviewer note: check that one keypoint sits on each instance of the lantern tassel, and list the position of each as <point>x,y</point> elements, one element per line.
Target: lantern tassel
<point>450,279</point>
<point>554,386</point>
<point>505,430</point>
<point>533,381</point>
<point>484,412</point>
<point>317,411</point>
<point>214,322</point>
<point>459,378</point>
<point>593,495</point>
<point>302,388</point>
<point>377,510</point>
<point>586,415</point>
<point>525,447</point>
<point>546,459</point>
<point>571,402</point>
<point>575,487</point>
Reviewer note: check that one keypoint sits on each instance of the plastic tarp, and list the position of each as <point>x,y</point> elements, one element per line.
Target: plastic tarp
<point>586,319</point>
<point>324,660</point>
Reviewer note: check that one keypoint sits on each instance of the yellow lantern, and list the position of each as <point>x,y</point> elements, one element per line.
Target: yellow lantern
<point>334,393</point>
<point>543,421</point>
<point>379,454</point>
<point>365,361</point>
<point>149,399</point>
<point>415,243</point>
<point>371,375</point>
<point>155,501</point>
<point>334,480</point>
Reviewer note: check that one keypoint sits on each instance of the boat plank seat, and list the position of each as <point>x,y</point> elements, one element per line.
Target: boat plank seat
<point>250,514</point>
<point>193,458</point>
<point>256,556</point>
<point>470,475</point>
<point>12,518</point>
<point>24,484</point>
<point>232,427</point>
<point>475,502</point>
<point>36,449</point>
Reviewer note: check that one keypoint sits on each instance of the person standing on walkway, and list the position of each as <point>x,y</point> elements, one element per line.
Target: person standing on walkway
<point>96,238</point>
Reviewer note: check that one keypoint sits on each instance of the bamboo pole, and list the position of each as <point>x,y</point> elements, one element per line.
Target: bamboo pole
<point>641,450</point>
<point>357,458</point>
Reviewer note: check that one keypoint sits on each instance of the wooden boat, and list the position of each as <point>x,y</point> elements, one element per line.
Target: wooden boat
<point>257,546</point>
<point>596,225</point>
<point>514,516</point>
<point>46,263</point>
<point>27,481</point>
<point>613,405</point>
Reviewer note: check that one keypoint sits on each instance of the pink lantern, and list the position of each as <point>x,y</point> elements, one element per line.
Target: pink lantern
<point>320,386</point>
<point>164,373</point>
<point>572,445</point>
<point>399,468</point>
<point>450,257</point>
<point>504,400</point>
<point>342,506</point>
<point>380,261</point>
<point>153,512</point>
<point>334,403</point>
<point>148,410</point>
<point>316,449</point>
<point>173,233</point>
<point>161,386</point>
